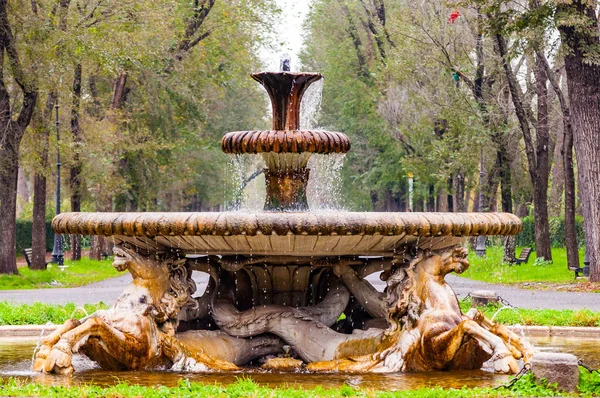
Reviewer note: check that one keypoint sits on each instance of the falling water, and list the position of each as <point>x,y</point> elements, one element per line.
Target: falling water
<point>248,183</point>
<point>324,186</point>
<point>310,107</point>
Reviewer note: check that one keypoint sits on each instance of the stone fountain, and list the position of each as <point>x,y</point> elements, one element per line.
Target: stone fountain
<point>281,279</point>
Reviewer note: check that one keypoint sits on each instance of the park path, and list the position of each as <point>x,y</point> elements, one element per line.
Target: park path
<point>108,291</point>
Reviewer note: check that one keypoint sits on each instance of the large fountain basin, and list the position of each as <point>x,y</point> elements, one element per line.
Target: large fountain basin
<point>314,234</point>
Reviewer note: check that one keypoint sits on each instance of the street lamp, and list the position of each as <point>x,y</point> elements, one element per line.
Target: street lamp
<point>57,252</point>
<point>480,248</point>
<point>410,191</point>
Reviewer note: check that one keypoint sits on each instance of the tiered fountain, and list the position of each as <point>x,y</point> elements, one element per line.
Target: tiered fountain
<point>281,279</point>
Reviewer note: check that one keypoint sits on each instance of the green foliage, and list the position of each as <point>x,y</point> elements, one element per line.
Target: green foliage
<point>589,382</point>
<point>557,232</point>
<point>407,113</point>
<point>246,387</point>
<point>158,150</point>
<point>529,386</point>
<point>42,313</point>
<point>77,273</point>
<point>24,228</point>
<point>536,317</point>
<point>492,269</point>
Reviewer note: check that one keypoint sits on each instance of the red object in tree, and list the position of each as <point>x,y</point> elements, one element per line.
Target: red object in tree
<point>453,16</point>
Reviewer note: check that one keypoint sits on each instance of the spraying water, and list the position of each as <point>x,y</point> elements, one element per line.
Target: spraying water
<point>310,108</point>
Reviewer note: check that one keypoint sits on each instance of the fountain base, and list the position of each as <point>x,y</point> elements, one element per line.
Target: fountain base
<point>416,325</point>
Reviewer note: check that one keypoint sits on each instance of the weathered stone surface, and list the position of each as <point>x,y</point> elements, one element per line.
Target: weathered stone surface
<point>283,364</point>
<point>285,141</point>
<point>560,368</point>
<point>480,298</point>
<point>282,224</point>
<point>289,234</point>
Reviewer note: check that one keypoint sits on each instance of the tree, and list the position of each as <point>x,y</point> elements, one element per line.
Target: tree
<point>566,152</point>
<point>12,130</point>
<point>537,151</point>
<point>578,24</point>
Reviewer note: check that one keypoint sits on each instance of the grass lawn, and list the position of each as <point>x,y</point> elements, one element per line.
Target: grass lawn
<point>522,316</point>
<point>41,313</point>
<point>491,269</point>
<point>589,385</point>
<point>77,273</point>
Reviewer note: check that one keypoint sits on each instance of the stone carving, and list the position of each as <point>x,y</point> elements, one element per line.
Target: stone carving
<point>136,333</point>
<point>281,279</point>
<point>420,323</point>
<point>427,330</point>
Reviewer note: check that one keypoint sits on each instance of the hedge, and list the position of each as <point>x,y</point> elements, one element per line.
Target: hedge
<point>557,232</point>
<point>24,228</point>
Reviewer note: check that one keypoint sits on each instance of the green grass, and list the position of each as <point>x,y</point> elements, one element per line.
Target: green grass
<point>246,387</point>
<point>77,273</point>
<point>491,269</point>
<point>529,317</point>
<point>40,313</point>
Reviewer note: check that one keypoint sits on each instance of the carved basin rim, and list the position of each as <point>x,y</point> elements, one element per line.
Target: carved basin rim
<point>283,141</point>
<point>152,224</point>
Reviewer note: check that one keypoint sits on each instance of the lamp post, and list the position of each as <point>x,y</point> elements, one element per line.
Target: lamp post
<point>410,191</point>
<point>480,248</point>
<point>57,252</point>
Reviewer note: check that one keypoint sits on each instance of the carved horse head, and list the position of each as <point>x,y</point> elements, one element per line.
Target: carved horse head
<point>441,264</point>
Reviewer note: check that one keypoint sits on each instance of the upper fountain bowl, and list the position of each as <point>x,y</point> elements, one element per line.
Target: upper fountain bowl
<point>286,90</point>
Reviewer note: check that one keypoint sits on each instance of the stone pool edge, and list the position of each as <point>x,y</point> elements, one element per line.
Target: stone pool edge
<point>534,331</point>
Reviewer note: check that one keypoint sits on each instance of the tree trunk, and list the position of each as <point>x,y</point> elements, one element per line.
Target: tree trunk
<point>75,175</point>
<point>442,200</point>
<point>537,156</point>
<point>363,70</point>
<point>38,228</point>
<point>570,225</point>
<point>23,194</point>
<point>450,198</point>
<point>583,79</point>
<point>459,192</point>
<point>506,198</point>
<point>558,176</point>
<point>9,166</point>
<point>119,92</point>
<point>542,173</point>
<point>12,133</point>
<point>566,150</point>
<point>431,198</point>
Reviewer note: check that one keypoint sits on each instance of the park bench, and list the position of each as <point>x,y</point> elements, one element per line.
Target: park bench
<point>577,271</point>
<point>27,254</point>
<point>524,256</point>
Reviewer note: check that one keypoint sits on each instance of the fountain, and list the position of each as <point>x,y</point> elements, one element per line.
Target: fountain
<point>280,279</point>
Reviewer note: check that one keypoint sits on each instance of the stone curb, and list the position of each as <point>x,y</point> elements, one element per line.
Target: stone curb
<point>534,331</point>
<point>25,330</point>
<point>557,331</point>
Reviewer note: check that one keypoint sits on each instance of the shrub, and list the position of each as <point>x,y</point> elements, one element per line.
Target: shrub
<point>557,232</point>
<point>24,228</point>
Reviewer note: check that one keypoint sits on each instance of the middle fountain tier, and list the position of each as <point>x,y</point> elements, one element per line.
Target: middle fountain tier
<point>283,277</point>
<point>286,149</point>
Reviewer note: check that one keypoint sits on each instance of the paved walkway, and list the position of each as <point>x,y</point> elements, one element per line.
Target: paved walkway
<point>108,291</point>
